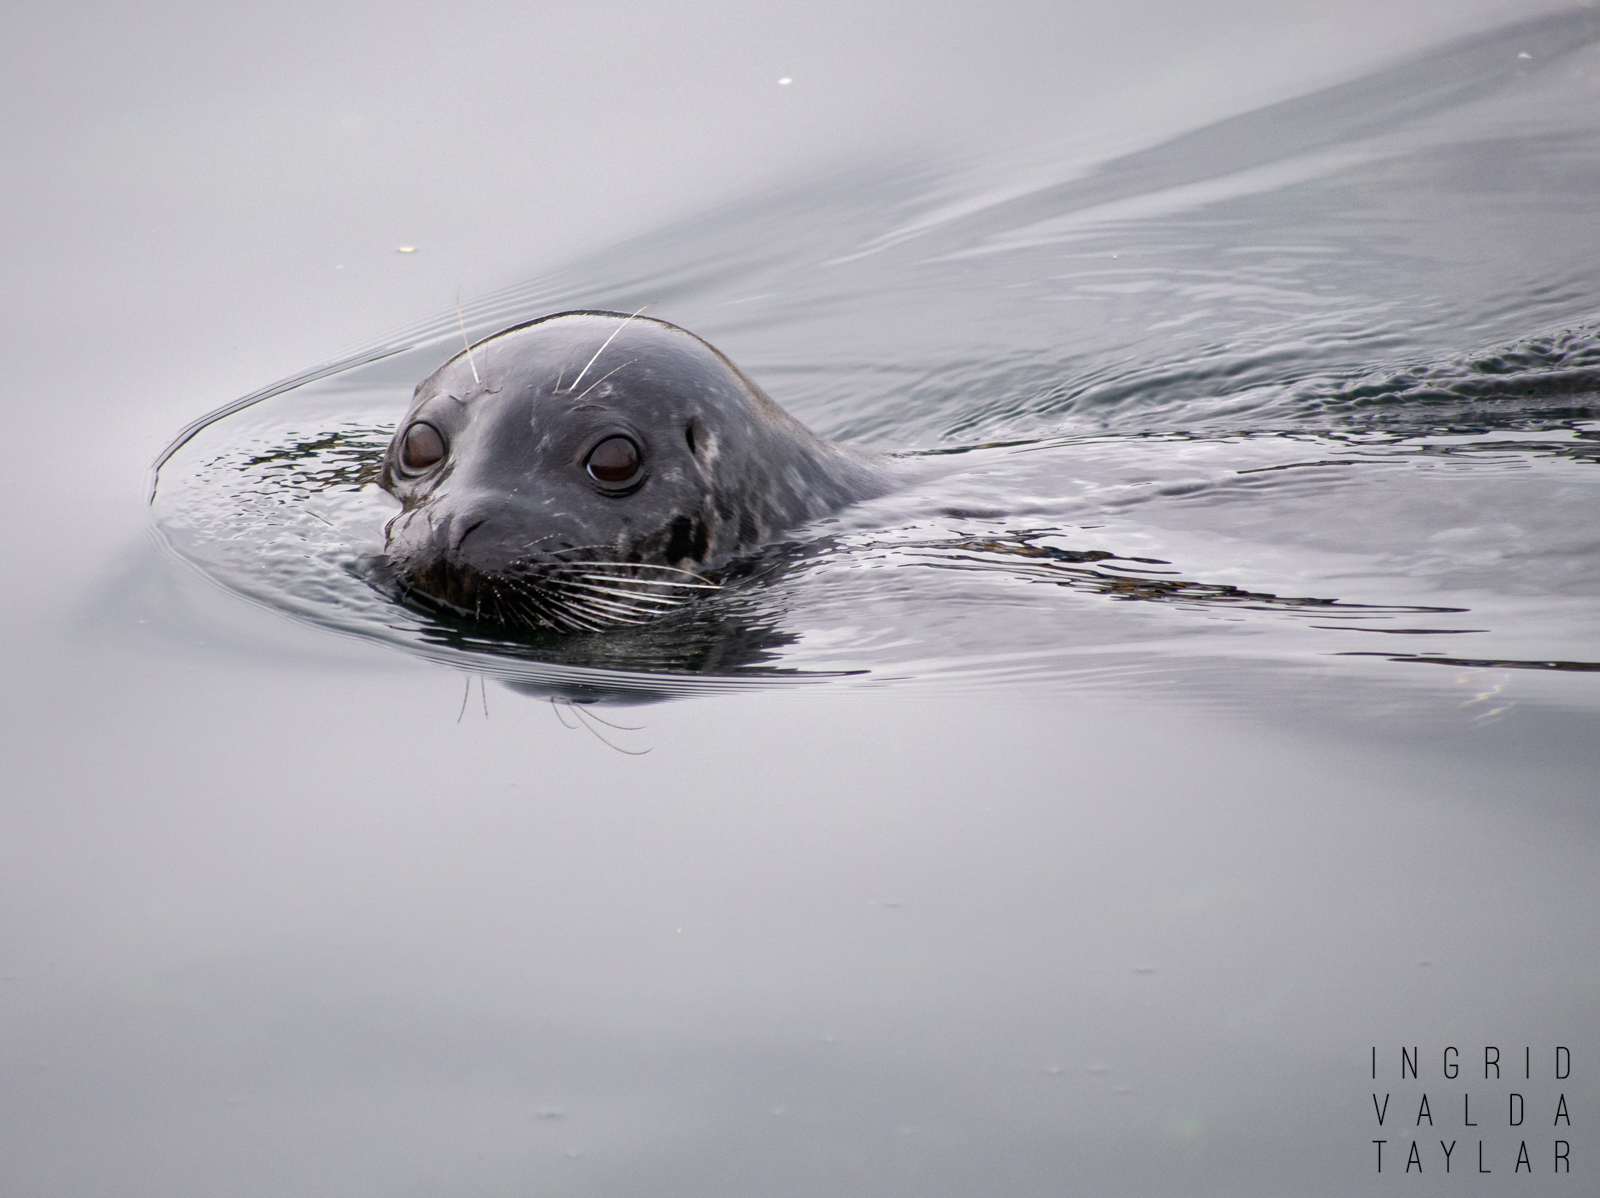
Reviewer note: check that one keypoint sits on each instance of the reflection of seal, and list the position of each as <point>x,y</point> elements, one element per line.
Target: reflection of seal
<point>588,468</point>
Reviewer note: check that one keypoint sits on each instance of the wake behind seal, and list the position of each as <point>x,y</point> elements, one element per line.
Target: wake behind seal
<point>589,469</point>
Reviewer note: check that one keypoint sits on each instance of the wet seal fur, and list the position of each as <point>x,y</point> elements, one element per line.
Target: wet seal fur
<point>528,516</point>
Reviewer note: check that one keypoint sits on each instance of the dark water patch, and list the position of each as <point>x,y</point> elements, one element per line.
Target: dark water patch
<point>1486,663</point>
<point>1024,556</point>
<point>1544,379</point>
<point>343,460</point>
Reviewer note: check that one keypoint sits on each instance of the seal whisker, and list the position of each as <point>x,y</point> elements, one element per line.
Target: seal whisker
<point>601,609</point>
<point>499,603</point>
<point>460,320</point>
<point>670,583</point>
<point>622,584</point>
<point>557,555</point>
<point>639,597</point>
<point>585,623</point>
<point>596,603</point>
<point>567,616</point>
<point>622,606</point>
<point>588,595</point>
<point>679,589</point>
<point>593,602</point>
<point>541,611</point>
<point>579,715</point>
<point>600,351</point>
<point>561,620</point>
<point>534,615</point>
<point>594,715</point>
<point>602,379</point>
<point>614,566</point>
<point>532,607</point>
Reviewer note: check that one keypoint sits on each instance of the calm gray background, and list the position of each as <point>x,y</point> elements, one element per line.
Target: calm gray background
<point>274,921</point>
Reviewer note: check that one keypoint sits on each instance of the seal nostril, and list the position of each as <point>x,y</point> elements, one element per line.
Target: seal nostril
<point>467,531</point>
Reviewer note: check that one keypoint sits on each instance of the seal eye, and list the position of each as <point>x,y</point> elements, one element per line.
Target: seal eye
<point>615,461</point>
<point>422,447</point>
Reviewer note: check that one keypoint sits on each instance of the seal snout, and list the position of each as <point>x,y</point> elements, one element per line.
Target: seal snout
<point>480,531</point>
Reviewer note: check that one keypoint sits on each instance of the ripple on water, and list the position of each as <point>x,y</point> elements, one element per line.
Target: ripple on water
<point>1224,398</point>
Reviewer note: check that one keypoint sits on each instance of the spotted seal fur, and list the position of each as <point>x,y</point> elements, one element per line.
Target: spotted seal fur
<point>593,468</point>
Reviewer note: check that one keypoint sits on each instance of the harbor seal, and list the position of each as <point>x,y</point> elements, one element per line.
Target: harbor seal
<point>592,468</point>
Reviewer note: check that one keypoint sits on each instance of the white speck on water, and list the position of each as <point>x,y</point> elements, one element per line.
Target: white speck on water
<point>1524,54</point>
<point>786,81</point>
<point>406,249</point>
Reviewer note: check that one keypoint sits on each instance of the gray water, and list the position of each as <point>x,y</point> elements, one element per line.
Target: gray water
<point>1214,719</point>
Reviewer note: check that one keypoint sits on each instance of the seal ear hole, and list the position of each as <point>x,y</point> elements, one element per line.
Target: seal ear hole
<point>688,435</point>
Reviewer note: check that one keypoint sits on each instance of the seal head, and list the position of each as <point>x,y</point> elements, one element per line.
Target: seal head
<point>590,468</point>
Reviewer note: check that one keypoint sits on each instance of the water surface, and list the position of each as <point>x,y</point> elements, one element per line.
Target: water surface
<point>1217,709</point>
